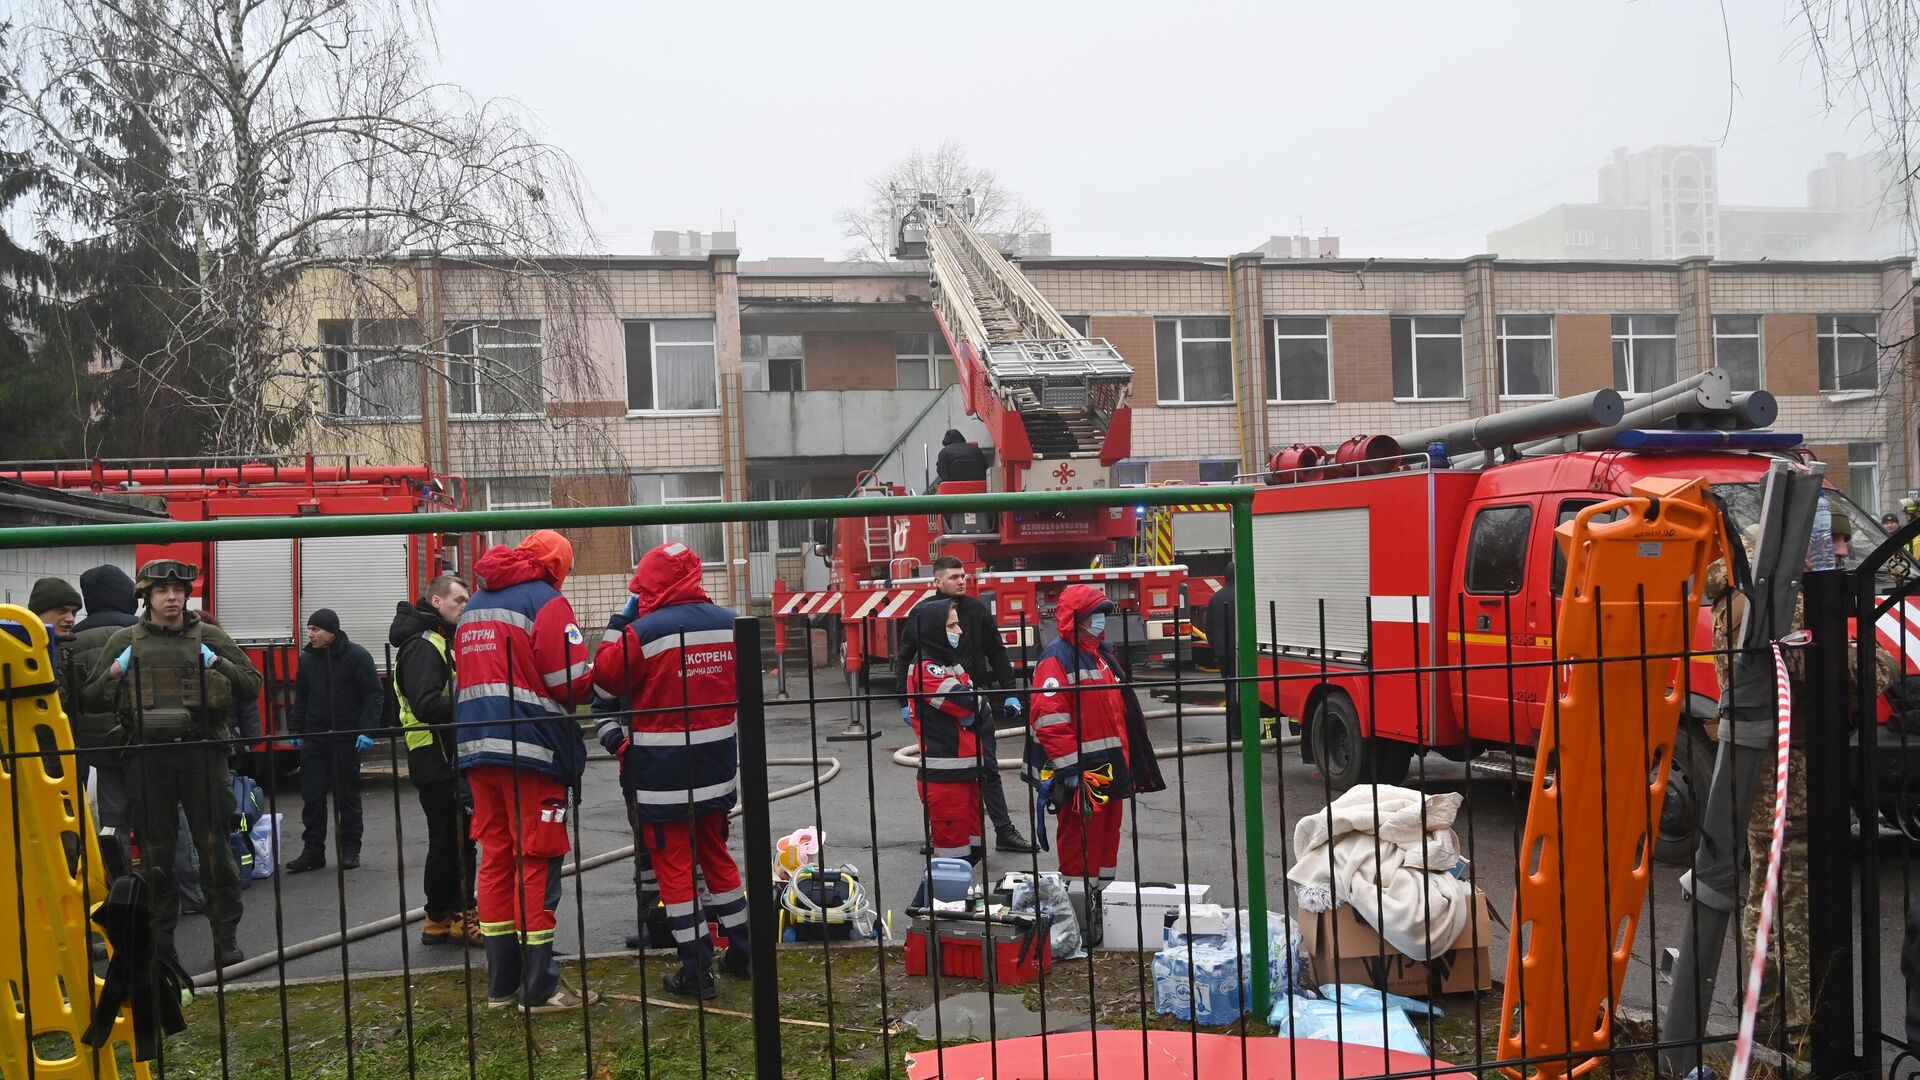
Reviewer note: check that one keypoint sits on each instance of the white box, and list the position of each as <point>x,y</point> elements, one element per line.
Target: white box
<point>1135,916</point>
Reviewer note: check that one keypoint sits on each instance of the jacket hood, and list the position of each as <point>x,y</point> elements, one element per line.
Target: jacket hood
<point>107,588</point>
<point>503,566</point>
<point>668,575</point>
<point>1076,603</point>
<point>928,624</point>
<point>952,436</point>
<point>412,620</point>
<point>554,551</point>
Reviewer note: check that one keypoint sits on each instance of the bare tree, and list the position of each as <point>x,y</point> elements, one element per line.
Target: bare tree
<point>309,166</point>
<point>946,172</point>
<point>1868,55</point>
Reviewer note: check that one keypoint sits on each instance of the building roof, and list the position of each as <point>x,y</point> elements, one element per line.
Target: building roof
<point>24,504</point>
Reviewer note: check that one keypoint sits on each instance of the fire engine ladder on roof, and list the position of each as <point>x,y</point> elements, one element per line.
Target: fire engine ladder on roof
<point>1065,386</point>
<point>876,533</point>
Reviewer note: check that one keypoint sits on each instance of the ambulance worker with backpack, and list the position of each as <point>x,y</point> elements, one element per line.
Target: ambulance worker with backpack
<point>680,754</point>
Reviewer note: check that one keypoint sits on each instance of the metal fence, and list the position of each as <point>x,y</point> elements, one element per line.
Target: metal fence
<point>1418,883</point>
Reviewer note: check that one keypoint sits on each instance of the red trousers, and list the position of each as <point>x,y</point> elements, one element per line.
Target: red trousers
<point>675,847</point>
<point>1089,847</point>
<point>520,822</point>
<point>953,812</point>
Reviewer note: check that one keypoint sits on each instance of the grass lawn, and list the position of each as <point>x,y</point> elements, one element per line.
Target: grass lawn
<point>631,1039</point>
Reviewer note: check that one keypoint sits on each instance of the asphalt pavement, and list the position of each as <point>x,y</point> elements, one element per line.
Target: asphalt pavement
<point>871,819</point>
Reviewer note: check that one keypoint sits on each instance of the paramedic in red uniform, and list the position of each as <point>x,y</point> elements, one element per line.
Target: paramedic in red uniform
<point>1080,733</point>
<point>680,754</point>
<point>945,719</point>
<point>522,669</point>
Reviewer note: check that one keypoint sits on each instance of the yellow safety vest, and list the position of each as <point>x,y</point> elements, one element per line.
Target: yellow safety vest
<point>418,733</point>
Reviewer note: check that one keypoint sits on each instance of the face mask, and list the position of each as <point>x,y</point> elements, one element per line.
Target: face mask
<point>1097,624</point>
<point>953,638</point>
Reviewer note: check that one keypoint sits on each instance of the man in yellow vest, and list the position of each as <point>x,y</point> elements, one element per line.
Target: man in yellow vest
<point>423,685</point>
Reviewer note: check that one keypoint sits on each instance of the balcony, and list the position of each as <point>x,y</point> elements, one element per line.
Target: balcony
<point>847,423</point>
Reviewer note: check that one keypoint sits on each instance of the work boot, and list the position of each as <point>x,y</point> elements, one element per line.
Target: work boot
<point>350,860</point>
<point>226,954</point>
<point>638,937</point>
<point>310,859</point>
<point>1009,839</point>
<point>695,974</point>
<point>503,970</point>
<point>470,928</point>
<point>442,931</point>
<point>736,961</point>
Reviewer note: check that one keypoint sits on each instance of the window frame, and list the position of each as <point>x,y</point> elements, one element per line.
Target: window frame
<point>764,363</point>
<point>770,533</point>
<point>1180,361</point>
<point>1759,339</point>
<point>497,537</point>
<point>932,356</point>
<point>1632,335</point>
<point>1828,328</point>
<point>1501,338</point>
<point>708,560</point>
<point>1081,324</point>
<point>453,328</point>
<point>1526,547</point>
<point>653,364</point>
<point>1413,359</point>
<point>1871,504</point>
<point>347,380</point>
<point>1274,337</point>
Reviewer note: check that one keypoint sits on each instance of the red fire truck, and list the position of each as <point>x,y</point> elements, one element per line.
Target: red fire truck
<point>1055,404</point>
<point>1363,579</point>
<point>263,590</point>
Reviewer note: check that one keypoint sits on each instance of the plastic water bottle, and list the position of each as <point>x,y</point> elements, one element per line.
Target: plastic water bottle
<point>1820,550</point>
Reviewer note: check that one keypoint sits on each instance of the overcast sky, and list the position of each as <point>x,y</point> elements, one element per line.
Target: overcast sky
<point>1406,129</point>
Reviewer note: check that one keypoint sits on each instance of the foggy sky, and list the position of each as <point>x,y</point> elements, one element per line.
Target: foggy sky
<point>1407,129</point>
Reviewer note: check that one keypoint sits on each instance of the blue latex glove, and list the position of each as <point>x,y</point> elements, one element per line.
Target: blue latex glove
<point>632,608</point>
<point>292,744</point>
<point>967,722</point>
<point>207,657</point>
<point>363,743</point>
<point>125,660</point>
<point>906,715</point>
<point>1012,705</point>
<point>1071,780</point>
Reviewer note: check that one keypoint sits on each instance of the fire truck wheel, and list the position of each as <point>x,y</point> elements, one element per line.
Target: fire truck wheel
<point>1687,783</point>
<point>1345,756</point>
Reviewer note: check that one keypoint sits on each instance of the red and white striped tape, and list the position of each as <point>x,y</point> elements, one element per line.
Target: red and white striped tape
<point>1770,897</point>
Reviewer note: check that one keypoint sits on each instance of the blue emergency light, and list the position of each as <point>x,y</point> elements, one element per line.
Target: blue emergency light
<point>1641,439</point>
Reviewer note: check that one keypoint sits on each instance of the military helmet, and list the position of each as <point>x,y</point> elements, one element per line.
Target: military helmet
<point>159,570</point>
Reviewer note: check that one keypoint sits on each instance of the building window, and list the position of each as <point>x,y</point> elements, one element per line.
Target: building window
<point>680,489</point>
<point>1427,358</point>
<point>1579,237</point>
<point>1736,349</point>
<point>367,373</point>
<point>772,362</point>
<point>1218,470</point>
<point>670,366</point>
<point>1644,352</point>
<point>1129,473</point>
<point>1863,476</point>
<point>1849,352</point>
<point>1298,352</point>
<point>1193,359</point>
<point>514,493</point>
<point>792,535</point>
<point>1526,356</point>
<point>1082,324</point>
<point>494,368</point>
<point>920,358</point>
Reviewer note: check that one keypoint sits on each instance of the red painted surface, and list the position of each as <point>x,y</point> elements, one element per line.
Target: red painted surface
<point>1169,1055</point>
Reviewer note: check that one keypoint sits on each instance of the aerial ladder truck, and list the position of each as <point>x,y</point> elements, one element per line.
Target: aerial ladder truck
<point>1055,405</point>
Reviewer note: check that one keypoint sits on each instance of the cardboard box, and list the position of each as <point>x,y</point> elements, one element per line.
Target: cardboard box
<point>1369,961</point>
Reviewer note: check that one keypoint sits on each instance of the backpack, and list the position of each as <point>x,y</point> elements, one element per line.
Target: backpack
<point>250,805</point>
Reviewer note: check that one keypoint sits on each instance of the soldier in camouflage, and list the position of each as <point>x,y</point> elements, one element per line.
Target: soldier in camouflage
<point>172,682</point>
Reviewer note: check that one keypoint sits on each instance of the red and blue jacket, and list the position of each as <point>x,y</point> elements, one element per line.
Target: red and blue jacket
<point>671,660</point>
<point>1078,703</point>
<point>522,668</point>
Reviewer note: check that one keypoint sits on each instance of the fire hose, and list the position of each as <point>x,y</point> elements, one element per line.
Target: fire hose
<point>909,755</point>
<point>577,866</point>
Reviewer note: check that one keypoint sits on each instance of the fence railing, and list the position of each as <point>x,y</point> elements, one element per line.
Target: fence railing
<point>1406,881</point>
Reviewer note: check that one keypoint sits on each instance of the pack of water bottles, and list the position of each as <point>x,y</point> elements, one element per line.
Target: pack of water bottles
<point>1202,976</point>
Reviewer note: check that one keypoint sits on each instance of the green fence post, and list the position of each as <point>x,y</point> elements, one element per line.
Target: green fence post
<point>1246,655</point>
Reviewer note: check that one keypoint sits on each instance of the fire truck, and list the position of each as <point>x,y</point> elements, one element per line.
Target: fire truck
<point>1366,575</point>
<point>262,591</point>
<point>1055,403</point>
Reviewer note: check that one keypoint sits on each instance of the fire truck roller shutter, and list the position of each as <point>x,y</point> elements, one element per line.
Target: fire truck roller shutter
<point>253,589</point>
<point>1305,558</point>
<point>360,578</point>
<point>20,569</point>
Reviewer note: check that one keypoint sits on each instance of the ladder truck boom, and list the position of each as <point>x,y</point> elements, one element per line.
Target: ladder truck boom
<point>1046,392</point>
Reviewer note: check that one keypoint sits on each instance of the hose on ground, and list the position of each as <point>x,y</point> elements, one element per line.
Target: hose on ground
<point>578,866</point>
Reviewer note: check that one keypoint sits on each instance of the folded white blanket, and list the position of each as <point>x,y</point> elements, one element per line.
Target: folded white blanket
<point>1376,849</point>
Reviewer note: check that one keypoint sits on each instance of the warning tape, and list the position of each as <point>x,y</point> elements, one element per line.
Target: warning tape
<point>1770,896</point>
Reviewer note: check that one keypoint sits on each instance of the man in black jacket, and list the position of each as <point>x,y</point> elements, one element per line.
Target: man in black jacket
<point>984,656</point>
<point>336,699</point>
<point>421,637</point>
<point>959,459</point>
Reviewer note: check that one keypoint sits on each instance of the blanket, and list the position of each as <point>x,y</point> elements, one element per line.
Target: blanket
<point>1388,851</point>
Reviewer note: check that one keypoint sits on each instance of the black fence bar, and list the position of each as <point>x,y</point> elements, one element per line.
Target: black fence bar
<point>758,834</point>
